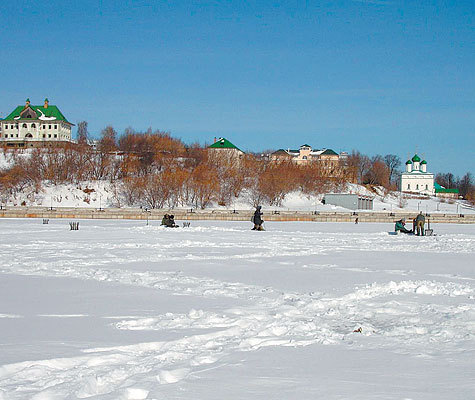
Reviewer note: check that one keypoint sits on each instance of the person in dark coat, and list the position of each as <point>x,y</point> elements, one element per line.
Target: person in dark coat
<point>169,221</point>
<point>420,222</point>
<point>400,226</point>
<point>257,219</point>
<point>165,220</point>
<point>172,222</point>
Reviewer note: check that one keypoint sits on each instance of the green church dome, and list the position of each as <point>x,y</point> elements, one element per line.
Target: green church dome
<point>424,162</point>
<point>408,162</point>
<point>416,158</point>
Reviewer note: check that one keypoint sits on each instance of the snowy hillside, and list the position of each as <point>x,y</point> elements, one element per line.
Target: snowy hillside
<point>98,194</point>
<point>121,310</point>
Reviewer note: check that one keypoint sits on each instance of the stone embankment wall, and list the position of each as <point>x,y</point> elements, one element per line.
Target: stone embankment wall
<point>225,215</point>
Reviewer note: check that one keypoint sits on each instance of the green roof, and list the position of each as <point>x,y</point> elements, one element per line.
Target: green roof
<point>305,145</point>
<point>51,111</point>
<point>423,162</point>
<point>441,189</point>
<point>281,151</point>
<point>329,152</point>
<point>416,158</point>
<point>408,162</point>
<point>223,143</point>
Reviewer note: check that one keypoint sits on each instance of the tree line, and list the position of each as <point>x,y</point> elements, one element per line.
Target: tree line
<point>154,170</point>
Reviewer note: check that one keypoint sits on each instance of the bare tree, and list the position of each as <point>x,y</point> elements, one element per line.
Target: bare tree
<point>446,180</point>
<point>82,133</point>
<point>378,173</point>
<point>465,185</point>
<point>393,162</point>
<point>108,141</point>
<point>359,163</point>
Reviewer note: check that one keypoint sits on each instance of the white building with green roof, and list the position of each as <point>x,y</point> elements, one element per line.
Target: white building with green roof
<point>223,149</point>
<point>416,179</point>
<point>35,126</point>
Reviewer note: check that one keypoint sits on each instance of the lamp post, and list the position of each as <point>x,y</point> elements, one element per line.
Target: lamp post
<point>147,212</point>
<point>100,202</point>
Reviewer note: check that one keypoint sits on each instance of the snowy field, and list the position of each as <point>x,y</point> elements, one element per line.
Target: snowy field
<point>121,310</point>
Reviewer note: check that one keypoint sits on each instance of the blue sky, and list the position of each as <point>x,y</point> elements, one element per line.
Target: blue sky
<point>379,76</point>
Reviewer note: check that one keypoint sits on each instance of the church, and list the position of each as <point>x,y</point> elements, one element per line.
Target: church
<point>416,179</point>
<point>35,126</point>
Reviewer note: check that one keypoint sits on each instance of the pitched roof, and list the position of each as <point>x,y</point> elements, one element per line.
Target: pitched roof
<point>281,152</point>
<point>51,113</point>
<point>223,143</point>
<point>440,189</point>
<point>329,152</point>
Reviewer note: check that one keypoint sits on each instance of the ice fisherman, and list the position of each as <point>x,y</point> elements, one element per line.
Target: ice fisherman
<point>420,222</point>
<point>165,220</point>
<point>257,219</point>
<point>400,226</point>
<point>169,221</point>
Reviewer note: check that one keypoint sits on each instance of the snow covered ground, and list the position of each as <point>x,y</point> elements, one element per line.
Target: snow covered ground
<point>99,194</point>
<point>121,310</point>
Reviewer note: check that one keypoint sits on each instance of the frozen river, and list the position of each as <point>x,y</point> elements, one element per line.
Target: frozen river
<point>121,310</point>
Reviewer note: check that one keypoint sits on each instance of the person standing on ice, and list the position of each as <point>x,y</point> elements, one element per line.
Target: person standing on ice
<point>420,221</point>
<point>257,219</point>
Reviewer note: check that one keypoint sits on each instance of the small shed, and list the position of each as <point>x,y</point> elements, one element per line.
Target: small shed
<point>350,201</point>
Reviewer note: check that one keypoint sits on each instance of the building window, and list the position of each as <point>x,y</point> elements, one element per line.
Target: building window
<point>23,126</point>
<point>55,136</point>
<point>427,187</point>
<point>49,126</point>
<point>49,135</point>
<point>417,187</point>
<point>44,135</point>
<point>17,135</point>
<point>56,127</point>
<point>408,186</point>
<point>33,125</point>
<point>6,126</point>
